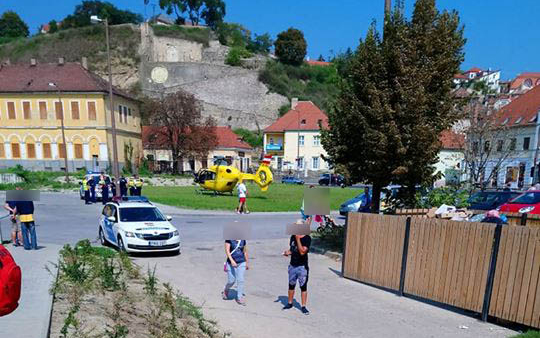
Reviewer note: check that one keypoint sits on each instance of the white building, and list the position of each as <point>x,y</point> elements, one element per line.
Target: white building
<point>451,157</point>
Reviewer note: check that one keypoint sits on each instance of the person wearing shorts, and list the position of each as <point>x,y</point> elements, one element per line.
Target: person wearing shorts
<point>242,194</point>
<point>298,269</point>
<point>16,234</point>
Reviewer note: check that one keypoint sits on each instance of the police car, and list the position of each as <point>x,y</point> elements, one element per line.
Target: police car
<point>95,176</point>
<point>133,224</point>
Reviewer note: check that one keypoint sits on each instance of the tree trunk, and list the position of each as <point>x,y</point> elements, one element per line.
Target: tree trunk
<point>376,198</point>
<point>174,161</point>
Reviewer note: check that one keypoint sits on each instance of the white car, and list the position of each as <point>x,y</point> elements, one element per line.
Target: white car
<point>137,226</point>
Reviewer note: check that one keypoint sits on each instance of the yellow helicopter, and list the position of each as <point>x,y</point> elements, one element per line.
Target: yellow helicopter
<point>221,178</point>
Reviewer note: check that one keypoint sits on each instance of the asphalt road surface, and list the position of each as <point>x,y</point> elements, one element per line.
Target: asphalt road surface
<point>339,307</point>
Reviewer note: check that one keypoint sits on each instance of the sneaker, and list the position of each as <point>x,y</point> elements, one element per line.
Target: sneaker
<point>241,301</point>
<point>225,295</point>
<point>247,212</point>
<point>288,306</point>
<point>305,310</point>
<point>238,212</point>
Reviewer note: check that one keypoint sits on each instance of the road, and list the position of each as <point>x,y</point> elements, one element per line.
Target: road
<point>339,307</point>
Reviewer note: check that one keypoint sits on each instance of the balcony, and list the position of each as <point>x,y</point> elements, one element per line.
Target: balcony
<point>274,147</point>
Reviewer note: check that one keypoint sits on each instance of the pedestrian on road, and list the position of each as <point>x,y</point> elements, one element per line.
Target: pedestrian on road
<point>86,189</point>
<point>123,186</point>
<point>298,268</point>
<point>138,185</point>
<point>242,195</point>
<point>132,189</point>
<point>365,206</point>
<point>236,265</point>
<point>113,186</point>
<point>104,188</point>
<point>92,182</point>
<point>16,235</point>
<point>25,210</point>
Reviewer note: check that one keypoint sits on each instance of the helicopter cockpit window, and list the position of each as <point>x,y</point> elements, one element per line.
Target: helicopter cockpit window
<point>207,176</point>
<point>228,171</point>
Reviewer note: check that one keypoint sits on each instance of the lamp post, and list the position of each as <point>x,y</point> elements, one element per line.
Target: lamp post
<point>55,85</point>
<point>116,168</point>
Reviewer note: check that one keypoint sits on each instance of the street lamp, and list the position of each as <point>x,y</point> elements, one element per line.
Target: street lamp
<point>116,169</point>
<point>52,84</point>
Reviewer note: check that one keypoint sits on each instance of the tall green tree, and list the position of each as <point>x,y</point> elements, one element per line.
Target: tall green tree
<point>291,47</point>
<point>12,26</point>
<point>83,12</point>
<point>53,26</point>
<point>395,100</point>
<point>211,11</point>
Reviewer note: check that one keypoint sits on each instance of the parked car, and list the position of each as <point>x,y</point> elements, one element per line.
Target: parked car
<point>488,200</point>
<point>352,205</point>
<point>291,180</point>
<point>333,179</point>
<point>526,203</point>
<point>134,225</point>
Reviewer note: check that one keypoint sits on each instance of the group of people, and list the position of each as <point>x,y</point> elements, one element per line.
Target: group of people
<point>237,263</point>
<point>104,182</point>
<point>23,228</point>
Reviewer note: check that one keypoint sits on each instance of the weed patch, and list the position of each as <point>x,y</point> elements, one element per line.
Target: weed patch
<point>195,34</point>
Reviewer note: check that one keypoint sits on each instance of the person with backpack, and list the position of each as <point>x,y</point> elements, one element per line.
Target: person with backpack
<point>25,210</point>
<point>10,282</point>
<point>236,265</point>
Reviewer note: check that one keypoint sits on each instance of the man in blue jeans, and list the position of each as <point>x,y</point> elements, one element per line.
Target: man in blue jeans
<point>25,210</point>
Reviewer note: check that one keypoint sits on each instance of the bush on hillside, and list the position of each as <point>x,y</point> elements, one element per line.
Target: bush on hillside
<point>252,138</point>
<point>235,56</point>
<point>195,34</point>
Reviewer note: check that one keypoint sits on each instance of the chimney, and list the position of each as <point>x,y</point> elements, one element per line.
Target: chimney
<point>84,62</point>
<point>61,61</point>
<point>294,103</point>
<point>32,62</point>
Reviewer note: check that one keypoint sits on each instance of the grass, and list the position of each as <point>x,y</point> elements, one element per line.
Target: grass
<point>279,197</point>
<point>529,334</point>
<point>40,179</point>
<point>196,34</point>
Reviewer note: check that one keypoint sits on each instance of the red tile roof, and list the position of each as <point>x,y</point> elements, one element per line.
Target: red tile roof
<point>304,111</point>
<point>525,107</point>
<point>473,70</point>
<point>461,76</point>
<point>69,77</point>
<point>518,81</point>
<point>318,63</point>
<point>450,140</point>
<point>152,138</point>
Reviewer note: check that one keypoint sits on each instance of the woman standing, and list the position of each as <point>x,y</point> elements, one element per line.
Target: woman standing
<point>236,265</point>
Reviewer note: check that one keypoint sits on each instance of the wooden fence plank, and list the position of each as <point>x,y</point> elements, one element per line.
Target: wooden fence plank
<point>527,271</point>
<point>520,271</point>
<point>511,276</point>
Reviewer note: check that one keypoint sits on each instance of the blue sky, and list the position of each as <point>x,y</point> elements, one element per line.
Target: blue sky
<point>501,34</point>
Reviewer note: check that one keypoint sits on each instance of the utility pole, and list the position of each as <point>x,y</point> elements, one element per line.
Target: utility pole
<point>52,84</point>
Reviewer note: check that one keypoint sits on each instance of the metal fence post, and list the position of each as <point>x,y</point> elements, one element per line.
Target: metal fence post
<point>344,244</point>
<point>491,272</point>
<point>523,219</point>
<point>404,256</point>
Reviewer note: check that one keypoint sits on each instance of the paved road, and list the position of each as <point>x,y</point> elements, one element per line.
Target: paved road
<point>340,308</point>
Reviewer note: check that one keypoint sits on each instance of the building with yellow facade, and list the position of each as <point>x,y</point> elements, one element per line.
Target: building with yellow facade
<point>33,98</point>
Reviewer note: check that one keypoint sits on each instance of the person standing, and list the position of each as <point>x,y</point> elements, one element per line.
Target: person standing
<point>131,185</point>
<point>113,186</point>
<point>104,189</point>
<point>236,265</point>
<point>86,189</point>
<point>138,185</point>
<point>298,268</point>
<point>16,235</point>
<point>25,210</point>
<point>92,182</point>
<point>123,186</point>
<point>242,195</point>
<point>365,206</point>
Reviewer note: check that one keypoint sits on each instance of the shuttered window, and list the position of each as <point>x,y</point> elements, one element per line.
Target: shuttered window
<point>125,114</point>
<point>61,150</point>
<point>78,151</point>
<point>15,150</point>
<point>75,110</point>
<point>59,110</point>
<point>43,110</point>
<point>2,153</point>
<point>91,110</point>
<point>47,150</point>
<point>26,110</point>
<point>30,150</point>
<point>11,110</point>
<point>120,113</point>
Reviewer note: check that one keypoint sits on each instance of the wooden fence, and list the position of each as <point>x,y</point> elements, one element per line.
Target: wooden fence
<point>475,266</point>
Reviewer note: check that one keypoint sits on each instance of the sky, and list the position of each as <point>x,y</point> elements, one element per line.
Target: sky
<point>501,34</point>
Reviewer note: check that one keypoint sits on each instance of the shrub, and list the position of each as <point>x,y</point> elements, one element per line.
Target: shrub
<point>195,34</point>
<point>444,195</point>
<point>291,47</point>
<point>250,137</point>
<point>235,56</point>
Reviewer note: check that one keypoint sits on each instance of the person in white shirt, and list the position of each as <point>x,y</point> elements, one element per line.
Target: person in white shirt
<point>242,194</point>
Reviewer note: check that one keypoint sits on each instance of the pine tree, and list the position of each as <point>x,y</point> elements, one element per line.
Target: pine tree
<point>395,100</point>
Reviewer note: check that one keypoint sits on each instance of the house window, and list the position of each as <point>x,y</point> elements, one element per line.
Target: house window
<point>30,150</point>
<point>129,111</point>
<point>301,140</point>
<point>125,114</point>
<point>26,110</point>
<point>316,140</point>
<point>11,110</point>
<point>315,162</point>
<point>61,150</point>
<point>526,143</point>
<point>300,163</point>
<point>271,140</point>
<point>15,150</point>
<point>513,144</point>
<point>2,153</point>
<point>92,111</point>
<point>78,151</point>
<point>43,110</point>
<point>303,121</point>
<point>500,145</point>
<point>59,110</point>
<point>120,113</point>
<point>47,150</point>
<point>75,110</point>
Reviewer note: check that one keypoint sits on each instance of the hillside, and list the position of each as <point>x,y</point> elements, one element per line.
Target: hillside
<point>151,62</point>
